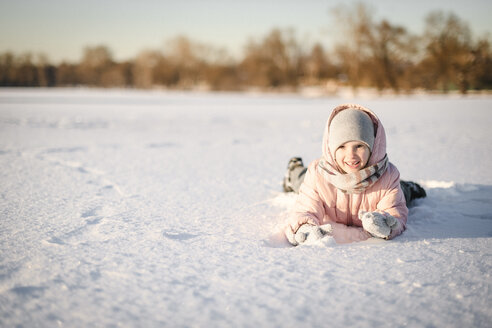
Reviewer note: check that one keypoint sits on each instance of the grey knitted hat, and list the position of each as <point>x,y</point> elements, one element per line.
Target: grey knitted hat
<point>350,125</point>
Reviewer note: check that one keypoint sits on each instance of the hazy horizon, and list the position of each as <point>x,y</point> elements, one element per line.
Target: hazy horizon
<point>61,29</point>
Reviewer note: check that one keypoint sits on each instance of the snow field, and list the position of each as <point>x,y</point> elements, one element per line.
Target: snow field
<point>133,208</point>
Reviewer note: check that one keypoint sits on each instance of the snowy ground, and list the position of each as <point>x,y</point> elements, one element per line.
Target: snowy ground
<point>153,209</point>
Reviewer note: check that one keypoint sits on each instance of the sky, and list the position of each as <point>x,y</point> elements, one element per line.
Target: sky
<point>60,29</point>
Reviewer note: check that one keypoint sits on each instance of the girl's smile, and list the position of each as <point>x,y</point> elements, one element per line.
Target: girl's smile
<point>352,156</point>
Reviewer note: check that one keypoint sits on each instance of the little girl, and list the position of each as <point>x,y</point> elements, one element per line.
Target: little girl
<point>352,192</point>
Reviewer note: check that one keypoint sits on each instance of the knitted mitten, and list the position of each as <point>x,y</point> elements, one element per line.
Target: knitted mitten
<point>377,224</point>
<point>308,233</point>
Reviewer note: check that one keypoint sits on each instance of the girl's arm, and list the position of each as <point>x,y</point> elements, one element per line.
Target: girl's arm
<point>392,200</point>
<point>309,207</point>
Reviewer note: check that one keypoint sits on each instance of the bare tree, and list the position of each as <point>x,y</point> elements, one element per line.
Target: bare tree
<point>448,51</point>
<point>188,58</point>
<point>273,62</point>
<point>391,49</point>
<point>67,75</point>
<point>95,61</point>
<point>369,53</point>
<point>355,25</point>
<point>481,65</point>
<point>143,68</point>
<point>373,53</point>
<point>317,66</point>
<point>7,69</point>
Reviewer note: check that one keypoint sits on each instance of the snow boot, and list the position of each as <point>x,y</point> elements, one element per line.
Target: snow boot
<point>412,190</point>
<point>294,176</point>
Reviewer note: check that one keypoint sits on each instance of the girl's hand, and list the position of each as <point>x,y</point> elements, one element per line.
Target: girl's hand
<point>377,224</point>
<point>308,233</point>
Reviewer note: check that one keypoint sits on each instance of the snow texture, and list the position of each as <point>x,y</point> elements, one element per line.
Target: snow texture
<point>163,209</point>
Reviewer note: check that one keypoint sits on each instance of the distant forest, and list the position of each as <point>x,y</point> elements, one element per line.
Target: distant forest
<point>369,54</point>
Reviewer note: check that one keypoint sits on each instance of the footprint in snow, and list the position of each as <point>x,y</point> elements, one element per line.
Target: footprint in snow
<point>180,236</point>
<point>56,241</point>
<point>95,215</point>
<point>92,217</point>
<point>163,145</point>
<point>94,221</point>
<point>91,212</point>
<point>28,291</point>
<point>65,150</point>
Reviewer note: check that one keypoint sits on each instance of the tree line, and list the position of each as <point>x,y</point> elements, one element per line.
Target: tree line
<point>376,54</point>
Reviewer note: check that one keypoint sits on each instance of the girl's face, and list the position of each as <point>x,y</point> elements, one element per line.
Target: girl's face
<point>352,156</point>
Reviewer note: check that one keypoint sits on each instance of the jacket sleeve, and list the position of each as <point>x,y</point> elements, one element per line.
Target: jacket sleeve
<point>392,201</point>
<point>344,234</point>
<point>308,207</point>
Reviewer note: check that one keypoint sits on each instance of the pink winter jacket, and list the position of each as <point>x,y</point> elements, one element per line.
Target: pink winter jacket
<point>320,202</point>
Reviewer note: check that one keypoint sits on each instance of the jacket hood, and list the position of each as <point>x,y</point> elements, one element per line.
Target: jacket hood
<point>379,147</point>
